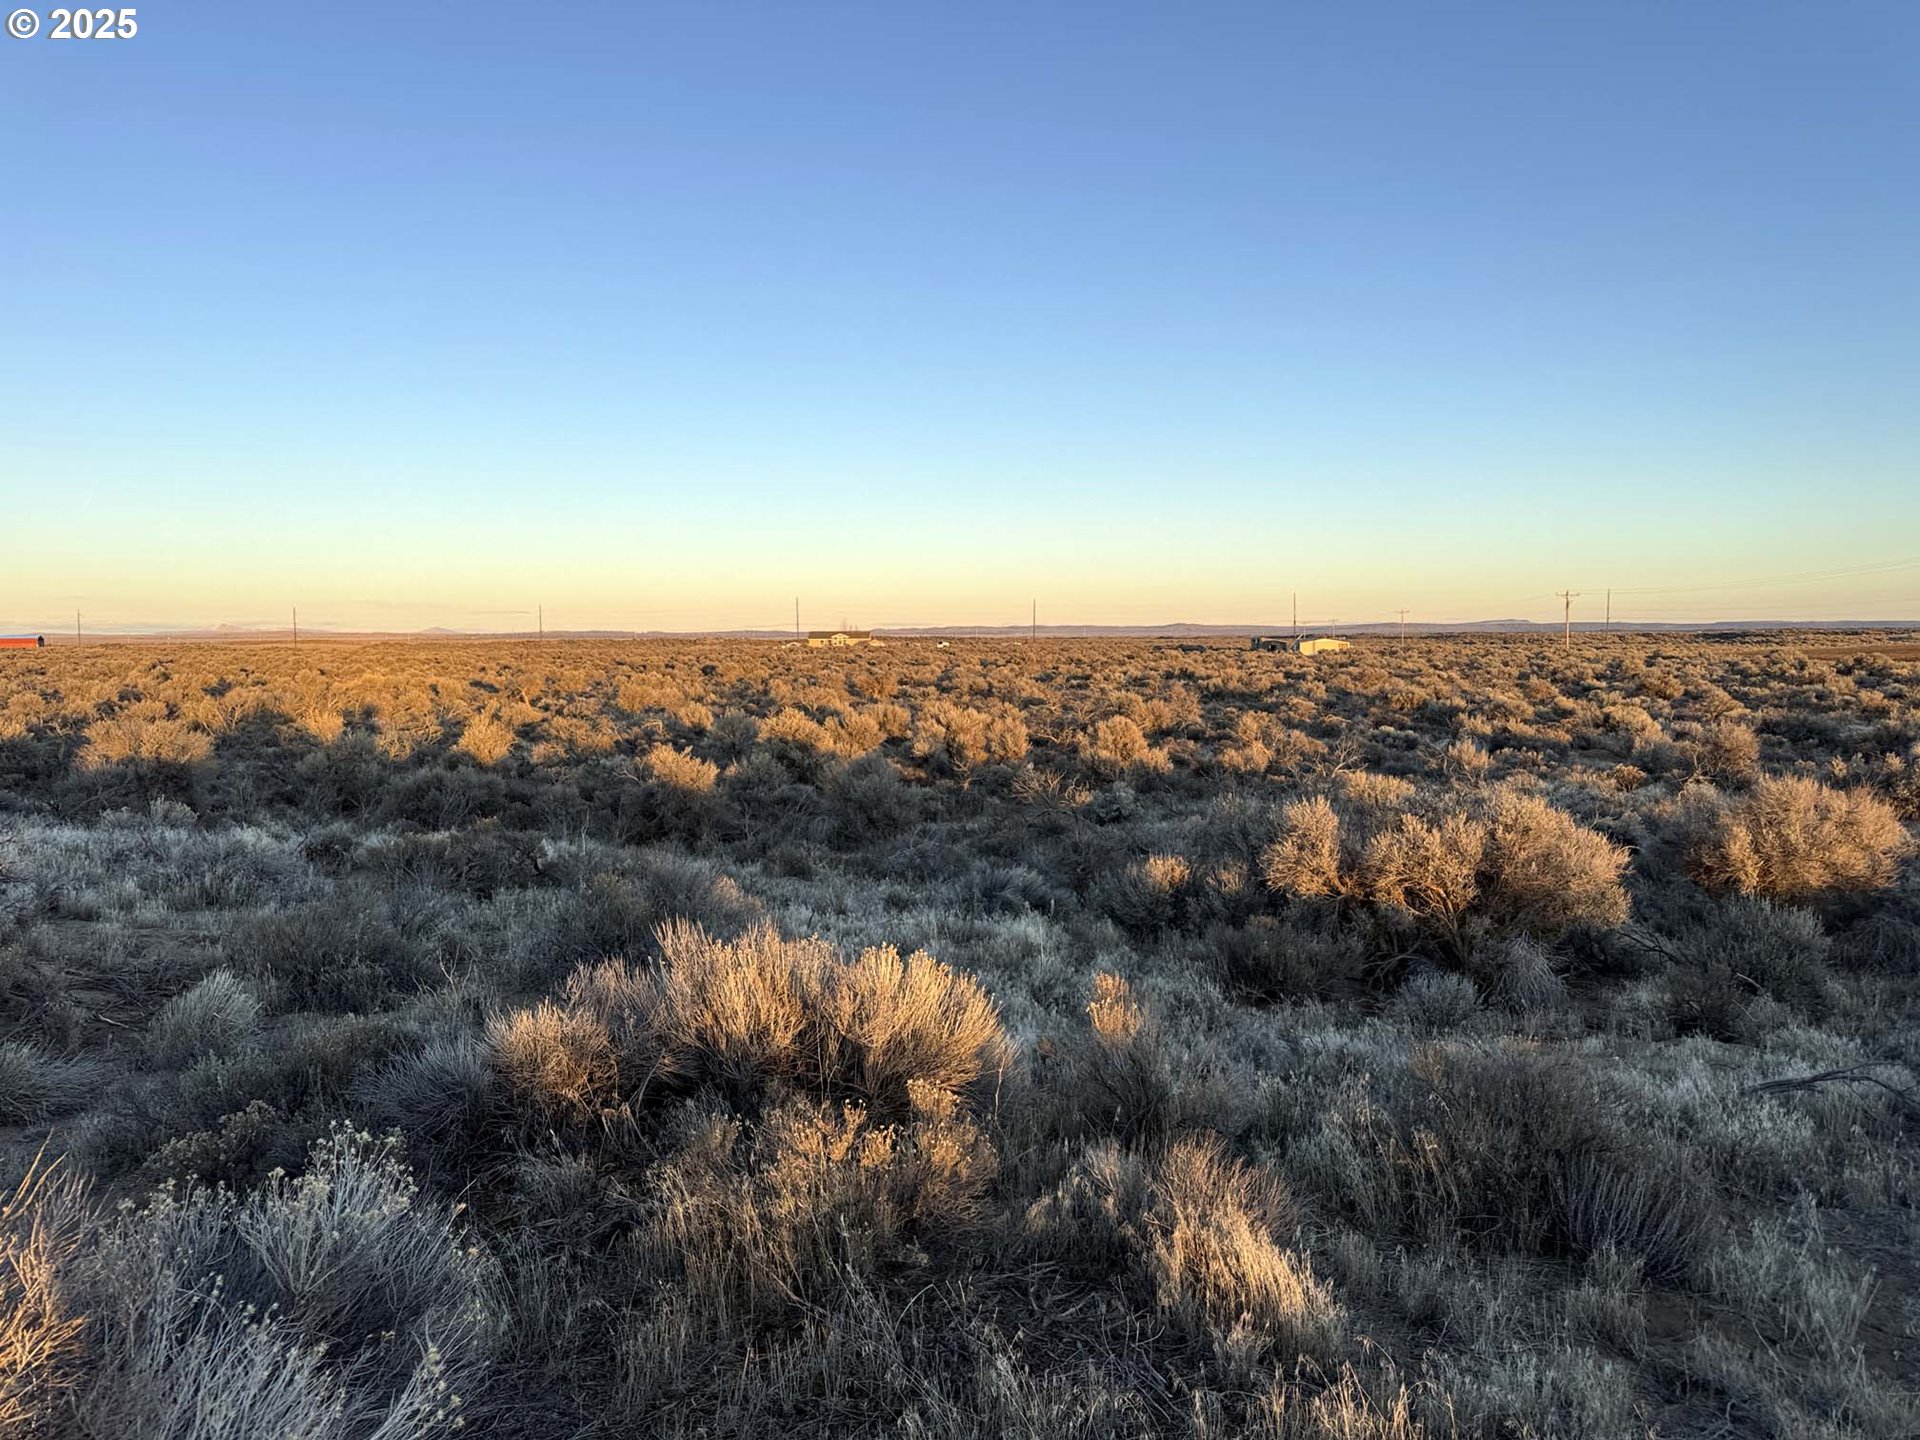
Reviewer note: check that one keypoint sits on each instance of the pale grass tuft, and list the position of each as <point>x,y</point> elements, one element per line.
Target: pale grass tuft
<point>1115,1014</point>
<point>40,1337</point>
<point>559,1060</point>
<point>1216,1232</point>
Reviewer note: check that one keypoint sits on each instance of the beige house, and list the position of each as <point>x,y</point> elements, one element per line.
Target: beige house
<point>1299,644</point>
<point>838,639</point>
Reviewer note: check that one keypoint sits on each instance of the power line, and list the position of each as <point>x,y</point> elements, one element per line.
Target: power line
<point>1567,597</point>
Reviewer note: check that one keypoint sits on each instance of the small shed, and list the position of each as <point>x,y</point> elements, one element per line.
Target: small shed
<point>23,642</point>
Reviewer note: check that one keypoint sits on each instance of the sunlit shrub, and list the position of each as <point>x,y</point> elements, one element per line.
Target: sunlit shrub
<point>1792,838</point>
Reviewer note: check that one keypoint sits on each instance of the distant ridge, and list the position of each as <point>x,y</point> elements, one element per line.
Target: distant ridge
<point>1173,630</point>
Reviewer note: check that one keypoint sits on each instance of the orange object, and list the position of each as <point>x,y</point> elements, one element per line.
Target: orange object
<point>22,642</point>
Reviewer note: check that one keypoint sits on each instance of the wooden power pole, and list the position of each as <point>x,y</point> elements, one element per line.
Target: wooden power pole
<point>1403,625</point>
<point>1567,597</point>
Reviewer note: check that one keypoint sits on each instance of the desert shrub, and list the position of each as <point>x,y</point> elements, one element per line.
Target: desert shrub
<point>1726,751</point>
<point>218,1012</point>
<point>610,916</point>
<point>762,1006</point>
<point>749,1013</point>
<point>1120,1078</point>
<point>1150,894</point>
<point>1468,759</point>
<point>1509,1151</point>
<point>1736,964</point>
<point>1117,745</point>
<point>442,1100</point>
<point>1305,857</point>
<point>331,1306</point>
<point>487,738</point>
<point>1272,959</point>
<point>1429,870</point>
<point>1520,867</point>
<point>479,861</point>
<point>240,1149</point>
<point>41,1341</point>
<point>1546,873</point>
<point>342,953</point>
<point>155,739</point>
<point>1436,1002</point>
<point>960,739</point>
<point>867,801</point>
<point>677,799</point>
<point>1372,790</point>
<point>1794,839</point>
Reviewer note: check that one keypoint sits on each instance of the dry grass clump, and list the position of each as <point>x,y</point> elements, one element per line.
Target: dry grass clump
<point>35,1085</point>
<point>760,1010</point>
<point>1116,1015</point>
<point>557,1061</point>
<point>1216,1232</point>
<point>1207,1238</point>
<point>40,1335</point>
<point>1792,838</point>
<point>759,1222</point>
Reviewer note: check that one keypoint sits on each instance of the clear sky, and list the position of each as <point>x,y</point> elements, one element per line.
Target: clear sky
<point>659,315</point>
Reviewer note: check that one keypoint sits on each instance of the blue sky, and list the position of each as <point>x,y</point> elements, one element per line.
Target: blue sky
<point>661,315</point>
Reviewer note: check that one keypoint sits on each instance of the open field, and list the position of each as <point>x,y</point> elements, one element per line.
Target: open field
<point>1097,1038</point>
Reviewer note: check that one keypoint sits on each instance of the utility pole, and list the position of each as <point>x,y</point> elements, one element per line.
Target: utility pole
<point>796,617</point>
<point>1296,614</point>
<point>1609,612</point>
<point>1033,630</point>
<point>1403,625</point>
<point>76,627</point>
<point>296,625</point>
<point>541,612</point>
<point>1567,597</point>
